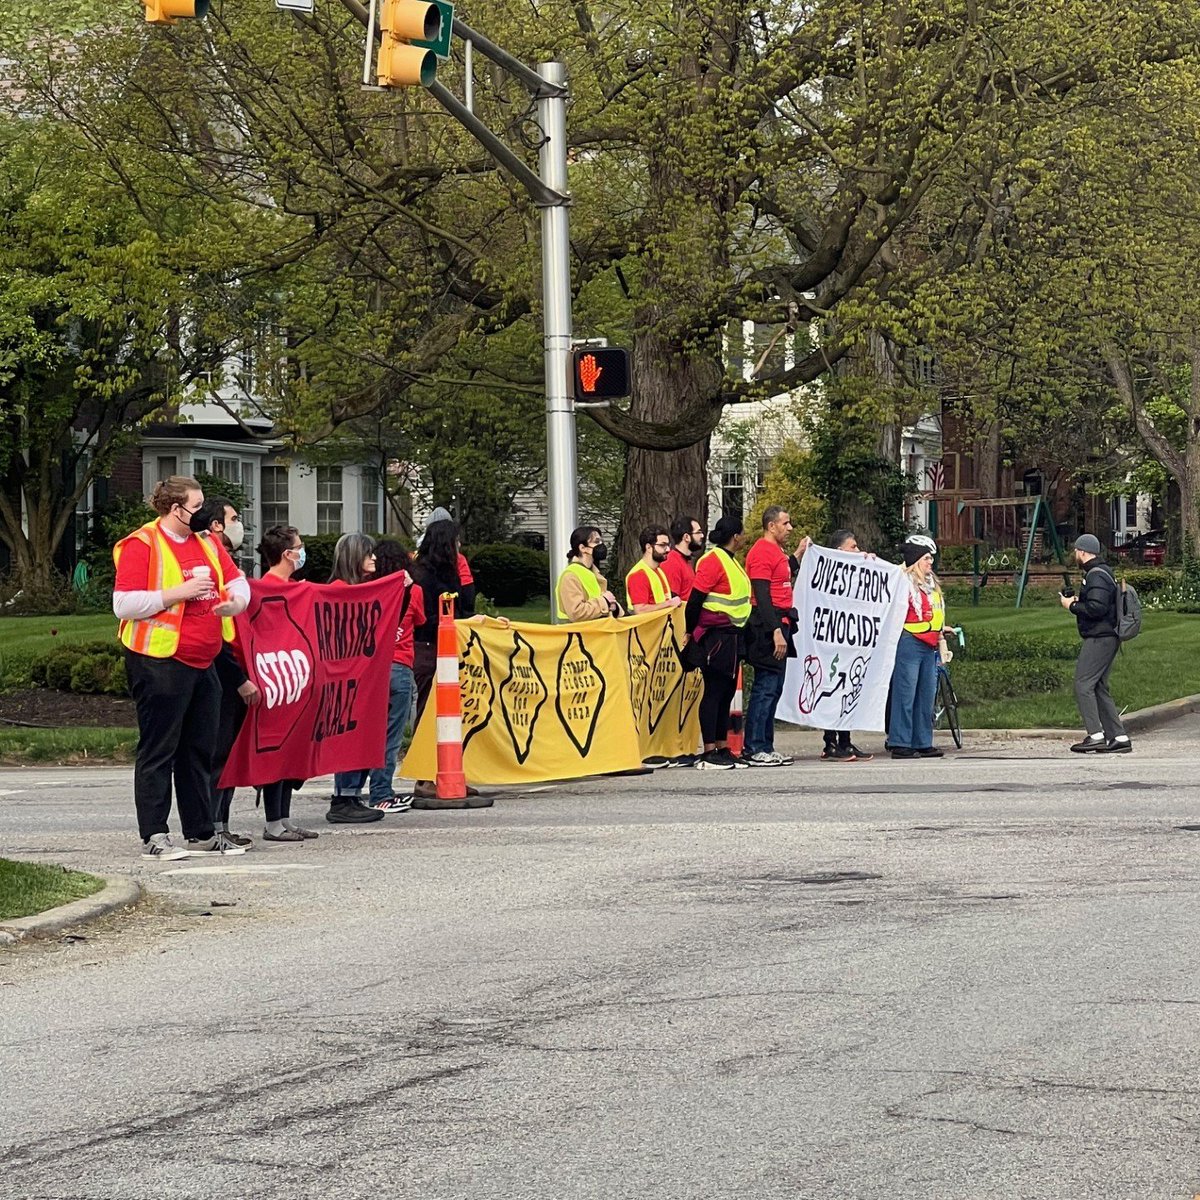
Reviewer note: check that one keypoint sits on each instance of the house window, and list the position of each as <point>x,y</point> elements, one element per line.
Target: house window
<point>329,499</point>
<point>200,466</point>
<point>760,475</point>
<point>274,496</point>
<point>370,505</point>
<point>733,491</point>
<point>1131,512</point>
<point>168,465</point>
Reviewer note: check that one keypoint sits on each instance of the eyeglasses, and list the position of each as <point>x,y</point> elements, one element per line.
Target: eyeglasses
<point>662,545</point>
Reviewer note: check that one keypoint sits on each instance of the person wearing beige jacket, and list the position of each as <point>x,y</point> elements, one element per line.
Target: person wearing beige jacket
<point>582,593</point>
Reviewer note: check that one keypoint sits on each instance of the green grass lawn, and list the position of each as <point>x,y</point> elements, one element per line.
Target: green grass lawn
<point>28,888</point>
<point>20,745</point>
<point>1162,664</point>
<point>22,639</point>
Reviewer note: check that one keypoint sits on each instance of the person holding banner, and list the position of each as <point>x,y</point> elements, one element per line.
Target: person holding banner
<point>175,594</point>
<point>582,592</point>
<point>771,632</point>
<point>717,612</point>
<point>646,586</point>
<point>914,677</point>
<point>838,746</point>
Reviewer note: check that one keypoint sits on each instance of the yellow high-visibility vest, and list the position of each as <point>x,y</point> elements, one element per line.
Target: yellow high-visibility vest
<point>591,586</point>
<point>660,588</point>
<point>158,636</point>
<point>735,604</point>
<point>937,616</point>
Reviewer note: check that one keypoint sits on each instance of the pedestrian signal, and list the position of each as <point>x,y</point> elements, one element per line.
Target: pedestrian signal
<point>402,22</point>
<point>167,12</point>
<point>601,373</point>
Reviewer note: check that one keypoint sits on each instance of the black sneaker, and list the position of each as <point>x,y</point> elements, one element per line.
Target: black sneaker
<point>838,754</point>
<point>726,755</point>
<point>1116,746</point>
<point>903,752</point>
<point>930,752</point>
<point>351,812</point>
<point>682,760</point>
<point>713,761</point>
<point>1090,745</point>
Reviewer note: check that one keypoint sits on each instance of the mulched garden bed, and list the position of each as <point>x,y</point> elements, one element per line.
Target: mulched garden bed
<point>57,710</point>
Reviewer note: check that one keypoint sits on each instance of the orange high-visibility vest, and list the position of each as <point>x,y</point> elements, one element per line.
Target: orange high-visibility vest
<point>158,636</point>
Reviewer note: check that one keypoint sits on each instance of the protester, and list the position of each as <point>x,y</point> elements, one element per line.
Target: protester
<point>175,595</point>
<point>838,746</point>
<point>283,555</point>
<point>646,586</point>
<point>582,593</point>
<point>222,523</point>
<point>390,558</point>
<point>1096,613</point>
<point>687,541</point>
<point>717,611</point>
<point>914,677</point>
<point>465,577</point>
<point>353,562</point>
<point>770,633</point>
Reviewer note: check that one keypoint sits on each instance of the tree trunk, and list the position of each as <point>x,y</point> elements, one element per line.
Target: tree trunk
<point>661,485</point>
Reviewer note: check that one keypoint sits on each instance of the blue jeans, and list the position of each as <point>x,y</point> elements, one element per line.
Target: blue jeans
<point>760,712</point>
<point>914,686</point>
<point>400,701</point>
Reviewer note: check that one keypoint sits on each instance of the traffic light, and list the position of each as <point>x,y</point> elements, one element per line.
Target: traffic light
<point>601,373</point>
<point>403,22</point>
<point>167,12</point>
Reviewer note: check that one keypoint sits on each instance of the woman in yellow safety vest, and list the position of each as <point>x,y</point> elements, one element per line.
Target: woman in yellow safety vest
<point>717,612</point>
<point>914,677</point>
<point>582,593</point>
<point>174,594</point>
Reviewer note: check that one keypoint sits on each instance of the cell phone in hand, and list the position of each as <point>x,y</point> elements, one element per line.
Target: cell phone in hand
<point>1067,591</point>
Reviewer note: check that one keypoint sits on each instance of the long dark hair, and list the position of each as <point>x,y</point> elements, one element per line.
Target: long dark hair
<point>390,557</point>
<point>437,562</point>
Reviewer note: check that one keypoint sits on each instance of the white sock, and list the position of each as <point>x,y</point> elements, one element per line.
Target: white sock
<point>222,827</point>
<point>1095,737</point>
<point>288,823</point>
<point>275,828</point>
<point>1121,737</point>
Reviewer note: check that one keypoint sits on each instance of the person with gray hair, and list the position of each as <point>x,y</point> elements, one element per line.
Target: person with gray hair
<point>1096,616</point>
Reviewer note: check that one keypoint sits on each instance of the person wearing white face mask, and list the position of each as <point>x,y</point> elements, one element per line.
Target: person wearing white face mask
<point>218,520</point>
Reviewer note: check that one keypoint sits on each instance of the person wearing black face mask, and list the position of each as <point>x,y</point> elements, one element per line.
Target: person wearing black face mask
<point>687,544</point>
<point>582,593</point>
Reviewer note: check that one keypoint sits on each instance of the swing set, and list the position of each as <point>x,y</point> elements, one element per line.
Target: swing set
<point>1041,519</point>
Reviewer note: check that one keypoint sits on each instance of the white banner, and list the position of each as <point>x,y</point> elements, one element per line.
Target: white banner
<point>852,611</point>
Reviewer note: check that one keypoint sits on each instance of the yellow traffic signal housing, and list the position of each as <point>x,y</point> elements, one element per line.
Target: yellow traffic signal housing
<point>402,22</point>
<point>167,12</point>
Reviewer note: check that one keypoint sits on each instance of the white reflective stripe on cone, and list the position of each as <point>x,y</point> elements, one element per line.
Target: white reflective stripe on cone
<point>447,670</point>
<point>449,729</point>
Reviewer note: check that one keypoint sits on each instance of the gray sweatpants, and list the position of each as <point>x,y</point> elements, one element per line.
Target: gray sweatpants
<point>1096,706</point>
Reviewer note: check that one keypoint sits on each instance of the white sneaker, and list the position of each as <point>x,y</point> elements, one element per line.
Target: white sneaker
<point>160,846</point>
<point>761,758</point>
<point>218,844</point>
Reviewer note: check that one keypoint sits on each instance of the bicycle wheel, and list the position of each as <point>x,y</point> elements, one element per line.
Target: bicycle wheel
<point>948,703</point>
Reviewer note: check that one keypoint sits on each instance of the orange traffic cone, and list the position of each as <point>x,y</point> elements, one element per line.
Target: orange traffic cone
<point>452,790</point>
<point>736,739</point>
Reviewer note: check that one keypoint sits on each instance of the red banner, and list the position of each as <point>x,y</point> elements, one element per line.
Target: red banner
<point>321,655</point>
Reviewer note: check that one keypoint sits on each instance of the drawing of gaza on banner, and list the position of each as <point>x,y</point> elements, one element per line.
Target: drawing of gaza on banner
<point>852,611</point>
<point>545,702</point>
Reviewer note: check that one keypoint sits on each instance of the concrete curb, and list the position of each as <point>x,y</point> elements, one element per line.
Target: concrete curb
<point>1141,721</point>
<point>118,892</point>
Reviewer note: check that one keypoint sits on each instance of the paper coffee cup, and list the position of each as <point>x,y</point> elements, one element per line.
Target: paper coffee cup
<point>203,572</point>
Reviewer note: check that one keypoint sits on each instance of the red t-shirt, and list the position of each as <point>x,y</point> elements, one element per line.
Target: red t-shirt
<point>711,576</point>
<point>200,630</point>
<point>638,587</point>
<point>768,560</point>
<point>681,574</point>
<point>412,615</point>
<point>464,572</point>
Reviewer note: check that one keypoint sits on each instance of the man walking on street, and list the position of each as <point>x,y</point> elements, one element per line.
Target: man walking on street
<point>770,633</point>
<point>687,543</point>
<point>1096,614</point>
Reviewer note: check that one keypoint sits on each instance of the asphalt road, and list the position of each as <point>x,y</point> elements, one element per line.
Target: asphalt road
<point>970,978</point>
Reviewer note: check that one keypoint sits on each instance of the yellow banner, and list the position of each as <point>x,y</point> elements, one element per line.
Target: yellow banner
<point>561,701</point>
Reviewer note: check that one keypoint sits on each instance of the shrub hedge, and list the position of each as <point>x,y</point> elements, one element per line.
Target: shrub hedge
<point>510,575</point>
<point>90,668</point>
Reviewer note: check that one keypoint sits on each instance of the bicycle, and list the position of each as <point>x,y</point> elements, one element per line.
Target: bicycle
<point>945,702</point>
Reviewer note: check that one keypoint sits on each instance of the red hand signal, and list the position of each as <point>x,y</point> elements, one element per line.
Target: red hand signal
<point>589,372</point>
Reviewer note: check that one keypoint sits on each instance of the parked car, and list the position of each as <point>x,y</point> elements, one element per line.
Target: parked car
<point>1147,549</point>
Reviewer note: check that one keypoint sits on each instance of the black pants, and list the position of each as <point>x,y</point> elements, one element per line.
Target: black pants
<point>277,800</point>
<point>839,738</point>
<point>178,708</point>
<point>229,724</point>
<point>424,671</point>
<point>719,687</point>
